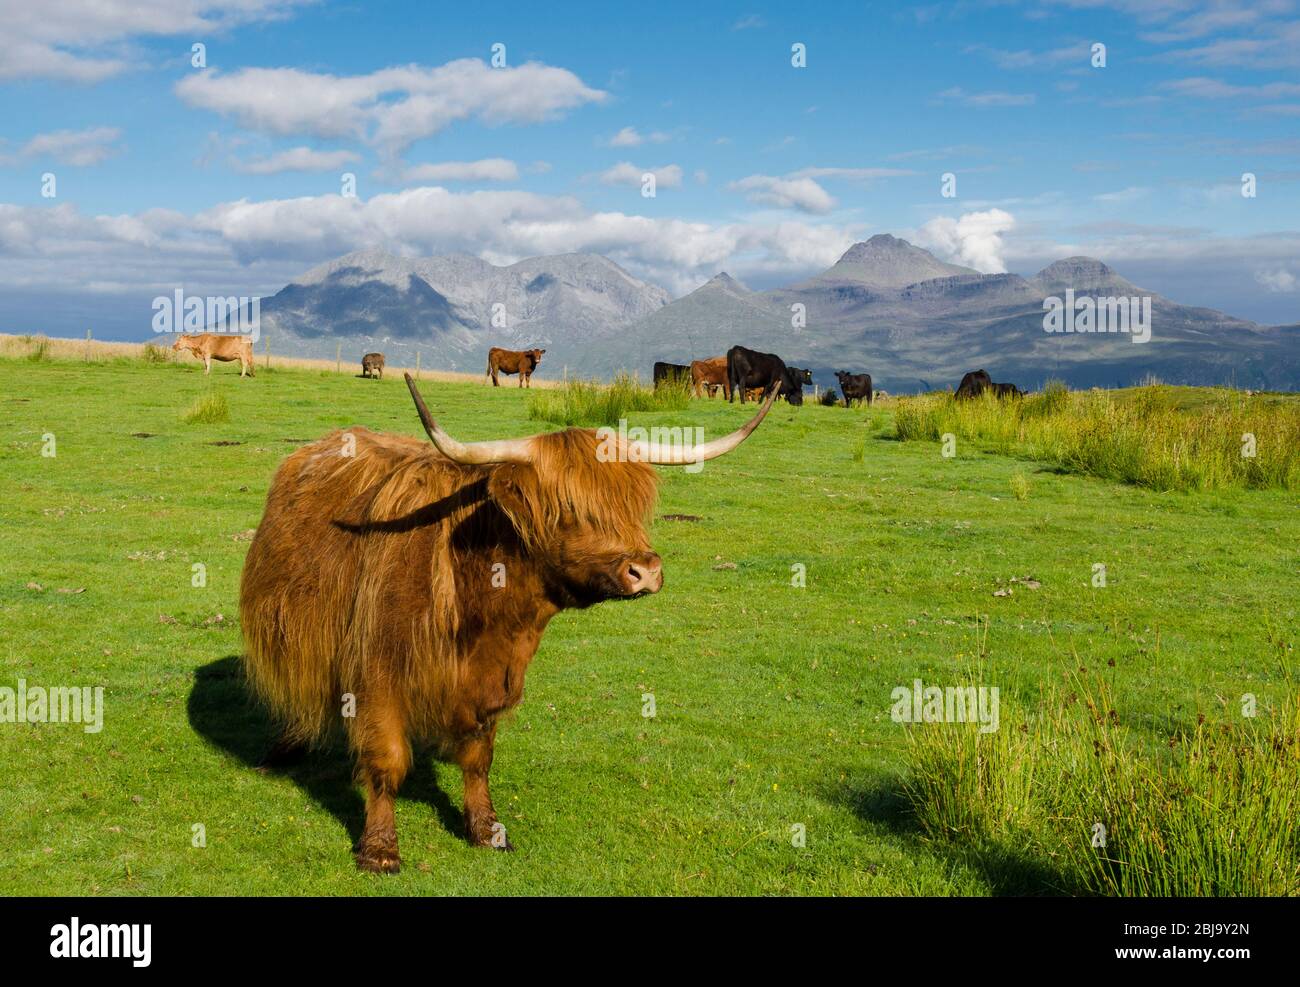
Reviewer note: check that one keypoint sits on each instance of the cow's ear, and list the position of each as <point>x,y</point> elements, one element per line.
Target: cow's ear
<point>512,486</point>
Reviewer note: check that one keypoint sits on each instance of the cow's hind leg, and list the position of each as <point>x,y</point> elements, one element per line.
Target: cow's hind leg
<point>474,755</point>
<point>383,758</point>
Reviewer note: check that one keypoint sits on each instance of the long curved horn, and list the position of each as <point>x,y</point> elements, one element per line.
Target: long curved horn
<point>646,452</point>
<point>470,453</point>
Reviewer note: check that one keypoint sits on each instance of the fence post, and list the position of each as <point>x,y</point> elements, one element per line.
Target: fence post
<point>417,364</point>
<point>87,345</point>
<point>268,353</point>
<point>338,358</point>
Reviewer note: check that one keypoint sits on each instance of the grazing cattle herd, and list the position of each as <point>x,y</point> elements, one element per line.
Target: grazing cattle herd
<point>742,371</point>
<point>412,583</point>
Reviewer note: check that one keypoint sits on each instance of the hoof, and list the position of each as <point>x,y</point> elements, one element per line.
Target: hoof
<point>378,856</point>
<point>483,835</point>
<point>379,862</point>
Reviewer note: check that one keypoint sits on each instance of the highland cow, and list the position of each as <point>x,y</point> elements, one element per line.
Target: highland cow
<point>397,591</point>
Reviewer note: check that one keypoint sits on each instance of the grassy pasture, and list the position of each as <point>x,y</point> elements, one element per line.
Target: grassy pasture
<point>773,701</point>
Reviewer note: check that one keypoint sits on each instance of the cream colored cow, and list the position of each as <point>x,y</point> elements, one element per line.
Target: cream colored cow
<point>209,346</point>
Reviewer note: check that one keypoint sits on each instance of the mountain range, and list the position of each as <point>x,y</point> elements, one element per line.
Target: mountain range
<point>885,307</point>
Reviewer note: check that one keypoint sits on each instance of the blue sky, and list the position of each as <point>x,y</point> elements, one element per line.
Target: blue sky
<point>226,179</point>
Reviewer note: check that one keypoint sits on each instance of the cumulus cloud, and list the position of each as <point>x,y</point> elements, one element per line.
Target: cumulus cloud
<point>85,40</point>
<point>295,159</point>
<point>79,148</point>
<point>626,173</point>
<point>390,108</point>
<point>975,239</point>
<point>484,170</point>
<point>631,137</point>
<point>249,245</point>
<point>1278,281</point>
<point>803,193</point>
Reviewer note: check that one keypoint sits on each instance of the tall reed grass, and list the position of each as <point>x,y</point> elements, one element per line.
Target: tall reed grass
<point>211,408</point>
<point>584,402</point>
<point>1152,435</point>
<point>1069,794</point>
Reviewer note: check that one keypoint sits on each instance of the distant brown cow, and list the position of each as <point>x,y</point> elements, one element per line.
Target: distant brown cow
<point>708,375</point>
<point>372,365</point>
<point>399,592</point>
<point>225,347</point>
<point>521,362</point>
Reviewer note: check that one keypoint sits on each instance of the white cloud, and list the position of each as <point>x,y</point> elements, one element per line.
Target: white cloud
<point>87,41</point>
<point>803,194</point>
<point>631,137</point>
<point>1077,51</point>
<point>1123,196</point>
<point>1278,281</point>
<point>626,173</point>
<point>957,94</point>
<point>79,148</point>
<point>1200,87</point>
<point>851,174</point>
<point>485,170</point>
<point>974,240</point>
<point>390,108</point>
<point>244,245</point>
<point>295,159</point>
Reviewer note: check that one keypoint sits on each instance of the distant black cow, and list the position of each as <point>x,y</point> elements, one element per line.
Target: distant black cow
<point>973,385</point>
<point>749,368</point>
<point>977,382</point>
<point>670,373</point>
<point>800,375</point>
<point>856,387</point>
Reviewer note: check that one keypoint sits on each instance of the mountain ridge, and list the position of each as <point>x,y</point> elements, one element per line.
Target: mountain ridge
<point>885,306</point>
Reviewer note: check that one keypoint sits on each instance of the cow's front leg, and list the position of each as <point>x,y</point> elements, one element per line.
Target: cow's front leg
<point>207,365</point>
<point>383,758</point>
<point>474,755</point>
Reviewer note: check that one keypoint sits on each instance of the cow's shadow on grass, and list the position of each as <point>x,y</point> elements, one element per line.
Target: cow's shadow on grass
<point>1007,870</point>
<point>223,713</point>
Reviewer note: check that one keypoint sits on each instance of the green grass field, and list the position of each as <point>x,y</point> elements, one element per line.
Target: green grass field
<point>773,701</point>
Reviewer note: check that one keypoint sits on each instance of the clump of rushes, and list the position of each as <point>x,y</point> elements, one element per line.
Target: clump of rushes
<point>583,402</point>
<point>210,409</point>
<point>1069,794</point>
<point>1153,436</point>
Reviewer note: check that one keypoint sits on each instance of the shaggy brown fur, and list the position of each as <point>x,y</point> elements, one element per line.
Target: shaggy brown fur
<point>372,576</point>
